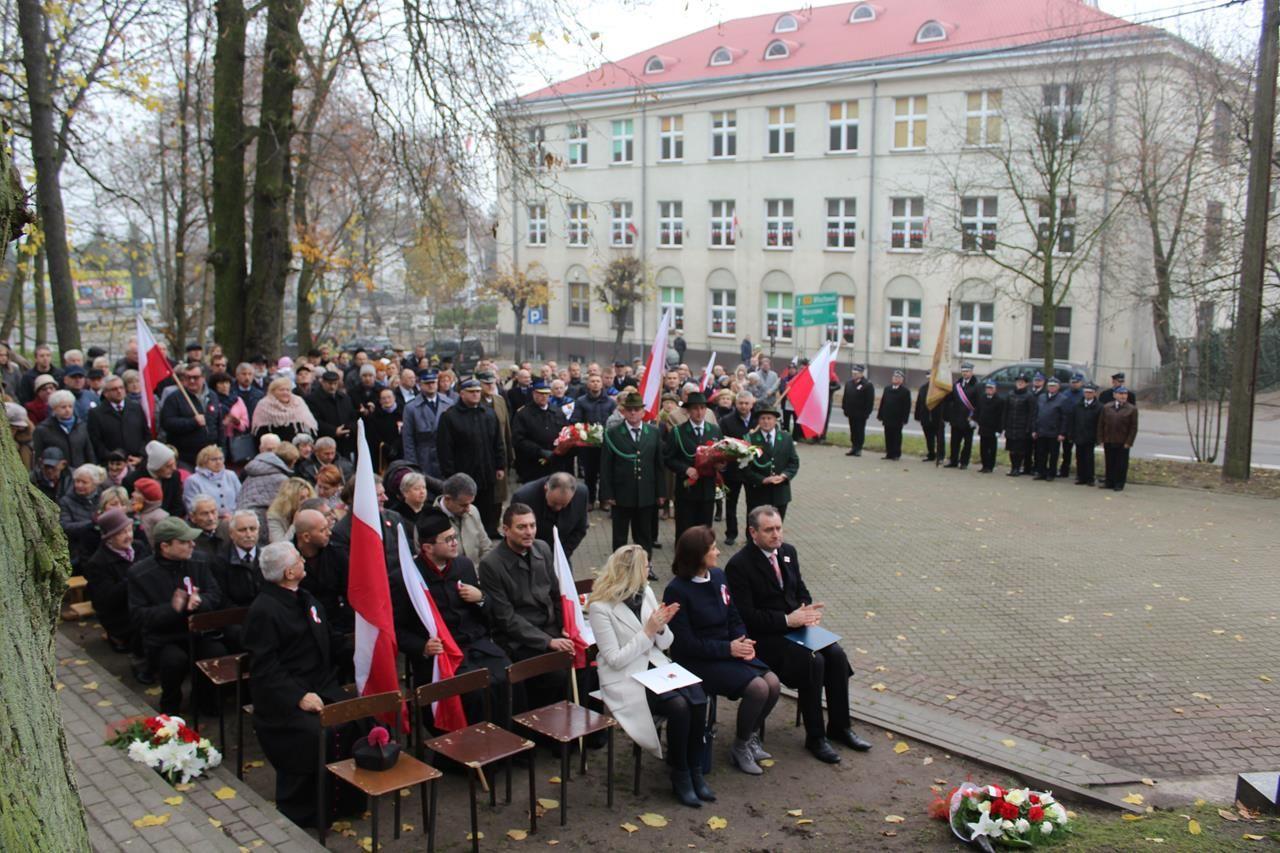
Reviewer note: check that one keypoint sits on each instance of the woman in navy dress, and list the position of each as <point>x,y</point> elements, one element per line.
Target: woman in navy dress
<point>712,642</point>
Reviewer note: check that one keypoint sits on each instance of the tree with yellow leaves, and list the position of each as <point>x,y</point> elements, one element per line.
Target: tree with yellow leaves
<point>520,289</point>
<point>625,285</point>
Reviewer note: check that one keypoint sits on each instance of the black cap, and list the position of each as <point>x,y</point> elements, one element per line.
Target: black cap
<point>1119,376</point>
<point>74,370</point>
<point>94,352</point>
<point>330,376</point>
<point>96,373</point>
<point>432,523</point>
<point>258,359</point>
<point>194,345</point>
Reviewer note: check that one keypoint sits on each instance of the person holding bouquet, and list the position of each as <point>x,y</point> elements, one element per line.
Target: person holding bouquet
<point>768,477</point>
<point>631,481</point>
<point>695,490</point>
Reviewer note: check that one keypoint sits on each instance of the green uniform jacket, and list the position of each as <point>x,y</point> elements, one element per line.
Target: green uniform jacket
<point>781,460</point>
<point>632,476</point>
<point>678,456</point>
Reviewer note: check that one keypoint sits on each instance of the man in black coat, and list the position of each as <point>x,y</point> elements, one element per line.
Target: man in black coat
<point>858,404</point>
<point>107,572</point>
<point>334,412</point>
<point>632,481</point>
<point>534,430</point>
<point>235,565</point>
<point>694,504</point>
<point>895,414</point>
<point>990,425</point>
<point>118,423</point>
<point>735,425</point>
<point>935,437</point>
<point>468,441</point>
<point>164,590</point>
<point>771,596</point>
<point>1084,433</point>
<point>962,405</point>
<point>326,563</point>
<point>1019,419</point>
<point>191,421</point>
<point>593,406</point>
<point>558,501</point>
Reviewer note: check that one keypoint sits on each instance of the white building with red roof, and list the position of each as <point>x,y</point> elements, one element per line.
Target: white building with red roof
<point>853,150</point>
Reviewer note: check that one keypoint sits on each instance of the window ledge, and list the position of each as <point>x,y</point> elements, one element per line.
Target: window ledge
<point>849,250</point>
<point>729,159</point>
<point>915,149</point>
<point>975,355</point>
<point>905,251</point>
<point>622,245</point>
<point>621,162</point>
<point>673,246</point>
<point>779,248</point>
<point>720,335</point>
<point>979,146</point>
<point>722,248</point>
<point>577,245</point>
<point>902,349</point>
<point>780,156</point>
<point>843,153</point>
<point>670,162</point>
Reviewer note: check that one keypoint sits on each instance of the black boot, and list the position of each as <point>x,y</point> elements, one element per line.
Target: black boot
<point>682,787</point>
<point>700,786</point>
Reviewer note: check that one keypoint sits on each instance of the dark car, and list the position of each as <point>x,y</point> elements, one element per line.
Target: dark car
<point>1004,376</point>
<point>465,354</point>
<point>376,346</point>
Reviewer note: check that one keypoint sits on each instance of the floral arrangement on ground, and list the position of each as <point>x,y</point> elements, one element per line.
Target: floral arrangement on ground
<point>1003,817</point>
<point>168,745</point>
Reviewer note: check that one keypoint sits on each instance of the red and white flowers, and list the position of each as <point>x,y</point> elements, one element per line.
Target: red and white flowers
<point>168,745</point>
<point>578,435</point>
<point>1013,817</point>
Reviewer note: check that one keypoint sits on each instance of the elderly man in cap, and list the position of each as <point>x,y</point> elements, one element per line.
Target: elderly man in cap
<point>695,494</point>
<point>52,475</point>
<point>1109,395</point>
<point>534,431</point>
<point>74,380</point>
<point>990,425</point>
<point>164,589</point>
<point>558,501</point>
<point>1073,394</point>
<point>632,481</point>
<point>768,478</point>
<point>962,409</point>
<point>1117,429</point>
<point>469,441</point>
<point>334,412</point>
<point>1050,427</point>
<point>1083,432</point>
<point>894,413</point>
<point>930,420</point>
<point>858,403</point>
<point>422,422</point>
<point>1019,421</point>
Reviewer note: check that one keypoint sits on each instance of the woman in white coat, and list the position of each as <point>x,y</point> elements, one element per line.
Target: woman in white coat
<point>631,632</point>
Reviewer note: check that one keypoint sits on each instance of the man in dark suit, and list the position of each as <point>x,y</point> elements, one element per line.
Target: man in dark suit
<point>192,417</point>
<point>769,478</point>
<point>894,413</point>
<point>558,501</point>
<point>534,430</point>
<point>771,596</point>
<point>631,477</point>
<point>962,407</point>
<point>1084,433</point>
<point>334,413</point>
<point>118,423</point>
<point>696,503</point>
<point>930,420</point>
<point>1109,395</point>
<point>858,403</point>
<point>737,424</point>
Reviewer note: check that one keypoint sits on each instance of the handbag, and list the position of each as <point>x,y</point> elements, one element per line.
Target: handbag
<point>243,448</point>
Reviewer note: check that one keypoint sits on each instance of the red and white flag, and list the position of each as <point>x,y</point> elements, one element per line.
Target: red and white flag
<point>651,382</point>
<point>808,391</point>
<point>706,374</point>
<point>448,714</point>
<point>368,590</point>
<point>575,624</point>
<point>153,367</point>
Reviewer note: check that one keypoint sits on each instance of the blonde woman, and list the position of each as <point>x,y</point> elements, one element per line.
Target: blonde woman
<point>280,513</point>
<point>631,633</point>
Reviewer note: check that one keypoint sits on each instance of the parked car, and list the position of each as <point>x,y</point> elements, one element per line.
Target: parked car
<point>1005,376</point>
<point>465,354</point>
<point>376,346</point>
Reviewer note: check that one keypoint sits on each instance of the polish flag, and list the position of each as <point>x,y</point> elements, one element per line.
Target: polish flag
<point>575,624</point>
<point>153,367</point>
<point>809,391</point>
<point>706,374</point>
<point>651,382</point>
<point>448,715</point>
<point>368,589</point>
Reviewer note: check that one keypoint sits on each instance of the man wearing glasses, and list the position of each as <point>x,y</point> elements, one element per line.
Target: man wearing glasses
<point>192,415</point>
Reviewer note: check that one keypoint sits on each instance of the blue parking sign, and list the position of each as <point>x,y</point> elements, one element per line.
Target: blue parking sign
<point>536,317</point>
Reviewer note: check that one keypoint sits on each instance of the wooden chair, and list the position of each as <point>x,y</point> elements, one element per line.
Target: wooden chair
<point>407,772</point>
<point>564,721</point>
<point>477,746</point>
<point>222,670</point>
<point>74,604</point>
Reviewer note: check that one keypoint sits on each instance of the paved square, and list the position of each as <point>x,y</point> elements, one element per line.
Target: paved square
<point>1139,627</point>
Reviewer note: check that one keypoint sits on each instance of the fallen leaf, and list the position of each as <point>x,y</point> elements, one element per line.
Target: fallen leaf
<point>339,825</point>
<point>1179,711</point>
<point>767,762</point>
<point>517,834</point>
<point>366,844</point>
<point>554,780</point>
<point>548,804</point>
<point>1132,799</point>
<point>226,792</point>
<point>551,843</point>
<point>1249,836</point>
<point>717,822</point>
<point>794,812</point>
<point>153,691</point>
<point>253,765</point>
<point>173,801</point>
<point>882,669</point>
<point>804,822</point>
<point>1226,815</point>
<point>1127,816</point>
<point>951,697</point>
<point>1147,781</point>
<point>1155,840</point>
<point>630,828</point>
<point>479,836</point>
<point>214,822</point>
<point>104,703</point>
<point>1200,802</point>
<point>901,747</point>
<point>92,685</point>
<point>1218,631</point>
<point>58,685</point>
<point>1009,742</point>
<point>927,761</point>
<point>939,781</point>
<point>1193,827</point>
<point>405,792</point>
<point>1065,619</point>
<point>183,787</point>
<point>1265,679</point>
<point>889,833</point>
<point>894,818</point>
<point>1205,696</point>
<point>655,820</point>
<point>879,687</point>
<point>871,614</point>
<point>151,820</point>
<point>79,661</point>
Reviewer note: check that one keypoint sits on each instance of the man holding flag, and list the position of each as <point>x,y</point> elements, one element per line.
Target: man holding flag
<point>153,368</point>
<point>938,389</point>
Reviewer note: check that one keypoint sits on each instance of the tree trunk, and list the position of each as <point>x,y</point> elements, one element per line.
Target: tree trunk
<point>1049,323</point>
<point>227,241</point>
<point>38,294</point>
<point>1160,303</point>
<point>519,312</point>
<point>42,809</point>
<point>271,249</point>
<point>44,152</point>
<point>14,306</point>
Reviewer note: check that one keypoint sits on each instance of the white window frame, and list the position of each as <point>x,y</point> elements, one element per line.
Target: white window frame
<point>979,223</point>
<point>987,115</point>
<point>721,56</point>
<point>1061,105</point>
<point>786,24</point>
<point>842,224</point>
<point>846,321</point>
<point>779,224</point>
<point>670,139</point>
<point>671,224</point>
<point>839,121</point>
<point>577,134</point>
<point>579,308</point>
<point>621,216</point>
<point>724,132</point>
<point>654,65</point>
<point>536,234</point>
<point>536,139</point>
<point>578,230</point>
<point>917,113</point>
<point>672,298</point>
<point>782,316</point>
<point>781,139</point>
<point>624,141</point>
<point>722,234</point>
<point>906,220</point>
<point>1066,224</point>
<point>939,33</point>
<point>972,322</point>
<point>777,49</point>
<point>857,16</point>
<point>722,307</point>
<point>905,321</point>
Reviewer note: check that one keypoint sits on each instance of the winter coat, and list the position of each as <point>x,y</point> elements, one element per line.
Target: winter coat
<point>331,412</point>
<point>958,413</point>
<point>224,487</point>
<point>592,410</point>
<point>1118,424</point>
<point>468,441</point>
<point>263,477</point>
<point>76,514</point>
<point>75,445</point>
<point>180,426</point>
<point>859,399</point>
<point>1084,423</point>
<point>418,432</point>
<point>1019,414</point>
<point>895,406</point>
<point>1052,416</point>
<point>990,414</point>
<point>535,431</point>
<point>111,430</point>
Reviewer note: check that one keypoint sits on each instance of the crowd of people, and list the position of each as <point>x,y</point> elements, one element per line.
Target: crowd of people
<point>242,500</point>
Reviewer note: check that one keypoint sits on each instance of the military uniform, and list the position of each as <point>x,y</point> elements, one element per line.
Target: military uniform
<point>631,476</point>
<point>695,504</point>
<point>777,457</point>
<point>961,406</point>
<point>858,403</point>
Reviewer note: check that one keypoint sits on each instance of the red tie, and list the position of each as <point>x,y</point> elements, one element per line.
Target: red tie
<point>773,561</point>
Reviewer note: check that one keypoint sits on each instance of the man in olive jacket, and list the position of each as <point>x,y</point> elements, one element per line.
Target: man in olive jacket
<point>631,477</point>
<point>768,478</point>
<point>1117,429</point>
<point>695,504</point>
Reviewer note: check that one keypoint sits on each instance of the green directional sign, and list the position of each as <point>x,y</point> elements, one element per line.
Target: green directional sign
<point>816,309</point>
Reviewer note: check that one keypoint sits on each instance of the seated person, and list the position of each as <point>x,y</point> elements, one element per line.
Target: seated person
<point>771,596</point>
<point>712,643</point>
<point>164,589</point>
<point>557,500</point>
<point>326,564</point>
<point>51,476</point>
<point>631,633</point>
<point>293,675</point>
<point>235,567</point>
<point>451,580</point>
<point>518,578</point>
<point>204,517</point>
<point>458,502</point>
<point>106,572</point>
<point>77,510</point>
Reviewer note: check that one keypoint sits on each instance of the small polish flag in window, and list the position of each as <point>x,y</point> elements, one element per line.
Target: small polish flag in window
<point>631,227</point>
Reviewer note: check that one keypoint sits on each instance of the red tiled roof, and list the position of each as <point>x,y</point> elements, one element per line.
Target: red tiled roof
<point>826,38</point>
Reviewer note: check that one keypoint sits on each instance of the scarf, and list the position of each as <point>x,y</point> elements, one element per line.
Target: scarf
<point>270,412</point>
<point>67,424</point>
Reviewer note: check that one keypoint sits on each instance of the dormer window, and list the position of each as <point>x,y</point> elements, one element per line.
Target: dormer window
<point>931,31</point>
<point>654,65</point>
<point>777,49</point>
<point>786,24</point>
<point>862,14</point>
<point>721,56</point>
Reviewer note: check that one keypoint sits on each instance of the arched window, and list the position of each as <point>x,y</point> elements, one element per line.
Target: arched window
<point>777,49</point>
<point>721,56</point>
<point>862,13</point>
<point>654,65</point>
<point>930,31</point>
<point>786,24</point>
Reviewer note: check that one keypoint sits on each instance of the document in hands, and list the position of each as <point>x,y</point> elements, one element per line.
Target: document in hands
<point>813,637</point>
<point>664,679</point>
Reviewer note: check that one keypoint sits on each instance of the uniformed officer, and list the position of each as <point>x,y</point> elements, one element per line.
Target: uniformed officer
<point>858,403</point>
<point>631,475</point>
<point>695,504</point>
<point>962,406</point>
<point>769,478</point>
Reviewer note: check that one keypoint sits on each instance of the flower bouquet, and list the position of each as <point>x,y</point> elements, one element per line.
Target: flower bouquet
<point>168,745</point>
<point>578,435</point>
<point>711,458</point>
<point>990,815</point>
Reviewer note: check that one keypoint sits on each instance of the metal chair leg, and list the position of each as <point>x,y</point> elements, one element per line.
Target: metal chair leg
<point>533,792</point>
<point>239,732</point>
<point>508,763</point>
<point>222,715</point>
<point>431,833</point>
<point>374,817</point>
<point>609,766</point>
<point>396,813</point>
<point>636,753</point>
<point>475,828</point>
<point>564,783</point>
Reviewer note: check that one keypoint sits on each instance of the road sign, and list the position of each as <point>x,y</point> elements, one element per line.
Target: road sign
<point>816,309</point>
<point>538,318</point>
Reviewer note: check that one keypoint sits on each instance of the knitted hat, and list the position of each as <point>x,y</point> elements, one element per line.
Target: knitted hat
<point>149,489</point>
<point>158,455</point>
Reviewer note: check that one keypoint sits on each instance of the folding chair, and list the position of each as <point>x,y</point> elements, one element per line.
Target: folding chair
<point>477,746</point>
<point>221,671</point>
<point>407,772</point>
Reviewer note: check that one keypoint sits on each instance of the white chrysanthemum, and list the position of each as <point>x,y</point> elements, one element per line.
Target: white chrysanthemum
<point>141,752</point>
<point>1046,828</point>
<point>1057,812</point>
<point>1021,825</point>
<point>1016,797</point>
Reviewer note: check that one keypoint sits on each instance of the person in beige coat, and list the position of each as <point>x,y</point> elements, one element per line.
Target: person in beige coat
<point>458,502</point>
<point>631,633</point>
